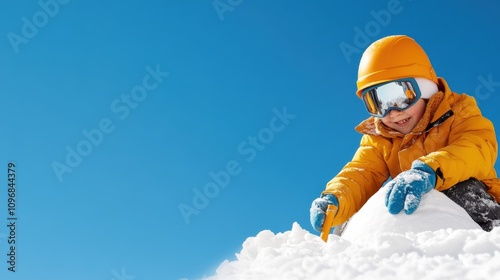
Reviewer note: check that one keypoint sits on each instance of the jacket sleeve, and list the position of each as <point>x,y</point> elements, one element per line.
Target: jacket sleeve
<point>359,179</point>
<point>471,150</point>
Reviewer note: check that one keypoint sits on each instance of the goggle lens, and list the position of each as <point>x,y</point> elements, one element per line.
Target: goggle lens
<point>394,95</point>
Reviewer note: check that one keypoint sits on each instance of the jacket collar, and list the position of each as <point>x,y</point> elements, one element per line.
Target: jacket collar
<point>435,111</point>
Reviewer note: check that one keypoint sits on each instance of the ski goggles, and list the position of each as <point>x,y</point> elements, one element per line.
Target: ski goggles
<point>394,95</point>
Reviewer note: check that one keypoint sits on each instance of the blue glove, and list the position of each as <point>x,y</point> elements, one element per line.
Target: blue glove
<point>406,190</point>
<point>318,210</point>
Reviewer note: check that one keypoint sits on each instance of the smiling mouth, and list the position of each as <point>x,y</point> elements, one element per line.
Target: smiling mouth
<point>402,121</point>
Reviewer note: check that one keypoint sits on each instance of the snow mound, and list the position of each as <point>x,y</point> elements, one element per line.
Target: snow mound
<point>298,254</point>
<point>436,211</point>
<point>436,242</point>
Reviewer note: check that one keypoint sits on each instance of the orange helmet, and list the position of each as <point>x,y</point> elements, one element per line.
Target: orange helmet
<point>393,57</point>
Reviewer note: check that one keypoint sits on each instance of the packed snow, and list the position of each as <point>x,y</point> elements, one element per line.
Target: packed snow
<point>438,241</point>
<point>436,211</point>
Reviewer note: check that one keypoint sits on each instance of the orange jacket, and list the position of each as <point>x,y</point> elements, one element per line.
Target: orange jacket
<point>452,137</point>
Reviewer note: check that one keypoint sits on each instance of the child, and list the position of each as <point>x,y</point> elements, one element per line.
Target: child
<point>421,135</point>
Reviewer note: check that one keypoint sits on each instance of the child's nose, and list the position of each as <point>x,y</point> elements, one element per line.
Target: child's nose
<point>394,113</point>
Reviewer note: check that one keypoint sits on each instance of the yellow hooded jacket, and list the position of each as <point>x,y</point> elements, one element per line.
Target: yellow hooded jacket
<point>452,137</point>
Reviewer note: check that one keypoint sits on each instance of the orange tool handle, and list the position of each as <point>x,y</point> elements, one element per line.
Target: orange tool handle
<point>327,225</point>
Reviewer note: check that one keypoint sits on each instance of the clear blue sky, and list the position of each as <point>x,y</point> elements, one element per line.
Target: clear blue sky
<point>117,112</point>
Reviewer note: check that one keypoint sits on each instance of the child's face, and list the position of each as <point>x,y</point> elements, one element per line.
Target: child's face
<point>404,121</point>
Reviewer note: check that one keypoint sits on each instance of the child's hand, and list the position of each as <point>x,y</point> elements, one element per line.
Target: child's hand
<point>318,210</point>
<point>406,190</point>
